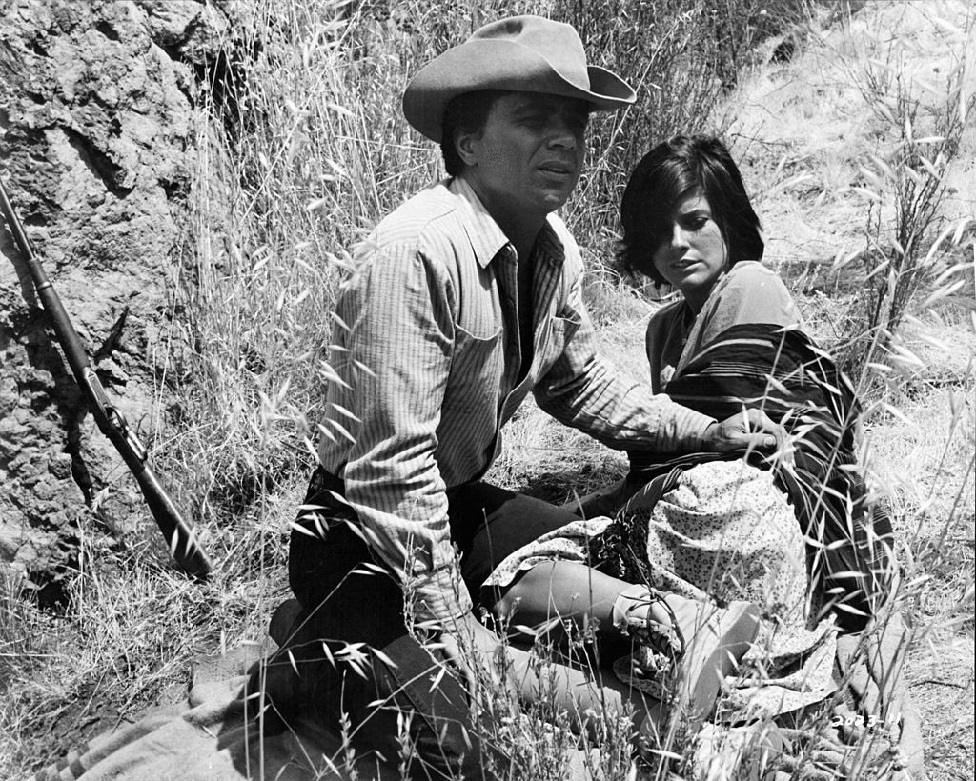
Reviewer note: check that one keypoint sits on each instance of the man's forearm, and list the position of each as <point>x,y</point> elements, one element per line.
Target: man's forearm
<point>623,415</point>
<point>439,598</point>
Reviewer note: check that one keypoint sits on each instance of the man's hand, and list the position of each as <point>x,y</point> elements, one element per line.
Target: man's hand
<point>475,649</point>
<point>749,430</point>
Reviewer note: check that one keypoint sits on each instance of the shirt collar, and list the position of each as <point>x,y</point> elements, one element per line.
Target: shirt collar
<point>548,246</point>
<point>488,239</point>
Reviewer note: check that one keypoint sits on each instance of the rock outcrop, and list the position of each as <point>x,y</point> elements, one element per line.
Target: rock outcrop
<point>96,144</point>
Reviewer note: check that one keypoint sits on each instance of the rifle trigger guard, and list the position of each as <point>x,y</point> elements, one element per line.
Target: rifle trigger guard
<point>116,419</point>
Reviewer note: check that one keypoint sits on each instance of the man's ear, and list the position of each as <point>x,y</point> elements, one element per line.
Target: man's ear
<point>468,147</point>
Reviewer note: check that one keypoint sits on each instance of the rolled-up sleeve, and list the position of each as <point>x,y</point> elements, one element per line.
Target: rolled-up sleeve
<point>585,392</point>
<point>396,336</point>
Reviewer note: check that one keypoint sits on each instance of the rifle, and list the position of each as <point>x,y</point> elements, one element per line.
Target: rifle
<point>178,533</point>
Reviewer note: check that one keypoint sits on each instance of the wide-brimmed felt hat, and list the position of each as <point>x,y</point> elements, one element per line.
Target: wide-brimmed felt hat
<point>522,54</point>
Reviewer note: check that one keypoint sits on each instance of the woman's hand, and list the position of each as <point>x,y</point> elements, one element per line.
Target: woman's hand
<point>749,430</point>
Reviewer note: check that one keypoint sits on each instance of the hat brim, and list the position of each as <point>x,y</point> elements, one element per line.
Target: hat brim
<point>500,65</point>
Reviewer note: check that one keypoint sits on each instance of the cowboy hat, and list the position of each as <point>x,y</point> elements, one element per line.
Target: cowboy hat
<point>521,54</point>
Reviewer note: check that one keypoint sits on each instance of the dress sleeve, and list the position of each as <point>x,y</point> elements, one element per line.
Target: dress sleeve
<point>749,293</point>
<point>398,340</point>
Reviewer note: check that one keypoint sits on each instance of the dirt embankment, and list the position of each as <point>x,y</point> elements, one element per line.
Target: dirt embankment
<point>96,135</point>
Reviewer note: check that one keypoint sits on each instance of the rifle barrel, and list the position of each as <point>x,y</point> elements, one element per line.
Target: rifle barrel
<point>176,530</point>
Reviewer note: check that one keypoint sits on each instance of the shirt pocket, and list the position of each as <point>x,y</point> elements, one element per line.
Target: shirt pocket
<point>475,372</point>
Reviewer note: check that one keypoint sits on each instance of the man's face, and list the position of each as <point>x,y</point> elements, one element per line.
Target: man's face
<point>526,159</point>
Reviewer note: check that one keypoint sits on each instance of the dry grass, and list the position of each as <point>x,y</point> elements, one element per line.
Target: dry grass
<point>301,158</point>
<point>803,130</point>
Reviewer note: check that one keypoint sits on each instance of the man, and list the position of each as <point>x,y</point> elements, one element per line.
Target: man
<point>464,300</point>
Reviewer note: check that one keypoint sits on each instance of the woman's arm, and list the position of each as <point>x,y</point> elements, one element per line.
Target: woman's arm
<point>664,341</point>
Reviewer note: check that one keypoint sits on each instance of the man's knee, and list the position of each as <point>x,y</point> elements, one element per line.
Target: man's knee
<point>424,717</point>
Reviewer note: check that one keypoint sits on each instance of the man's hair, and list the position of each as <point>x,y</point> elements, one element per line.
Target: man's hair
<point>466,113</point>
<point>662,178</point>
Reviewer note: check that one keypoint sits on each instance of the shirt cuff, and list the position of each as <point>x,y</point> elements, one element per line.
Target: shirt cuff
<point>686,434</point>
<point>439,598</point>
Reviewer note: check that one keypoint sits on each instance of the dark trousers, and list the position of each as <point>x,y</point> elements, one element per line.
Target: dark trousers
<point>350,597</point>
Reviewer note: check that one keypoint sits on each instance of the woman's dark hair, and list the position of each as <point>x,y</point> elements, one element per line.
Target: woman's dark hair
<point>465,113</point>
<point>662,178</point>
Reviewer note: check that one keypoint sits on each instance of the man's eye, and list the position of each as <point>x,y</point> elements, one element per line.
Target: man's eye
<point>578,124</point>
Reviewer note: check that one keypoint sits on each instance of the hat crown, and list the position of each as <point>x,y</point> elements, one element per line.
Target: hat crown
<point>559,44</point>
<point>522,54</point>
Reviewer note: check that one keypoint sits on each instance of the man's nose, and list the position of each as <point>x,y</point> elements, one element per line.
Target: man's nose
<point>563,134</point>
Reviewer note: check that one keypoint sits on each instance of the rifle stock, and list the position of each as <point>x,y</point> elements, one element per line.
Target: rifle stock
<point>177,532</point>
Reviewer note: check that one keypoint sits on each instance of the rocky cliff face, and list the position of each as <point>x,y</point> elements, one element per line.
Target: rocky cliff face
<point>96,144</point>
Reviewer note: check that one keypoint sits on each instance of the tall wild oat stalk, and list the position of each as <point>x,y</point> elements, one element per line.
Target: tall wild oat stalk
<point>904,186</point>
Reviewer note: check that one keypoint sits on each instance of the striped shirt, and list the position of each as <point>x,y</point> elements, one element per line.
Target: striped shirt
<point>428,367</point>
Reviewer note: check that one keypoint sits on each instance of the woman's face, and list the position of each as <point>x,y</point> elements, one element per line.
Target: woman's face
<point>693,257</point>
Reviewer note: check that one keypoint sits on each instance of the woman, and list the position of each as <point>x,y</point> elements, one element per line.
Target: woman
<point>736,529</point>
<point>733,340</point>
